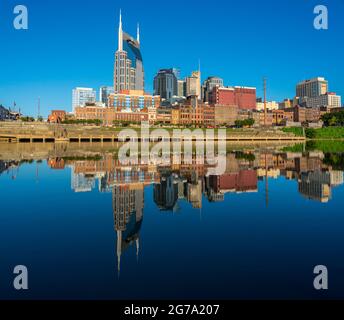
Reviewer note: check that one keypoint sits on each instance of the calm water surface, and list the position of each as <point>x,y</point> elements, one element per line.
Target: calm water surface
<point>87,227</point>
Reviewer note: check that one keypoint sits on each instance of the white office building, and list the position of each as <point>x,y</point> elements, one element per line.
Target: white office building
<point>81,96</point>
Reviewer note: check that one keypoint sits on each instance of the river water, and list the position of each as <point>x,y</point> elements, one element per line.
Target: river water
<point>87,227</point>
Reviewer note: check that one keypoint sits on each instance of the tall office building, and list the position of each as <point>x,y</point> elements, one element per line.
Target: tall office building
<point>128,71</point>
<point>104,93</point>
<point>193,85</point>
<point>208,85</point>
<point>81,96</point>
<point>181,88</point>
<point>166,84</point>
<point>312,88</point>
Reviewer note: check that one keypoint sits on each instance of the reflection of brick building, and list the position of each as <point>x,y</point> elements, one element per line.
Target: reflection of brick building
<point>56,163</point>
<point>243,181</point>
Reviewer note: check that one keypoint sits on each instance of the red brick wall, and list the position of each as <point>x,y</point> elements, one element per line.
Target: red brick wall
<point>244,98</point>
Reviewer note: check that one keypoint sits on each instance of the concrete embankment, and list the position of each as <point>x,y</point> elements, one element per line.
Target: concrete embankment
<point>14,132</point>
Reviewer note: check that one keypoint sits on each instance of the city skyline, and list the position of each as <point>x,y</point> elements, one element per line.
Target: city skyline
<point>286,61</point>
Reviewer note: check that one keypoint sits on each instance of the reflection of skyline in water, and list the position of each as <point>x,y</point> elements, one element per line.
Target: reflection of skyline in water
<point>150,227</point>
<point>185,182</point>
<point>193,183</point>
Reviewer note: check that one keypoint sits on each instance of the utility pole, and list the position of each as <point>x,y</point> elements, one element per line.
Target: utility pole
<point>265,111</point>
<point>39,108</point>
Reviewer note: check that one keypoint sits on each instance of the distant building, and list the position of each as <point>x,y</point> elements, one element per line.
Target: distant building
<point>208,85</point>
<point>128,70</point>
<point>133,100</point>
<point>270,105</point>
<point>329,100</point>
<point>286,103</point>
<point>6,114</point>
<point>110,115</point>
<point>181,92</point>
<point>193,85</point>
<point>225,115</point>
<point>312,88</point>
<point>104,93</point>
<point>166,84</point>
<point>81,96</point>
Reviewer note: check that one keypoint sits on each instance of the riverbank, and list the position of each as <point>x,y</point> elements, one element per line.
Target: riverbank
<point>326,133</point>
<point>44,133</point>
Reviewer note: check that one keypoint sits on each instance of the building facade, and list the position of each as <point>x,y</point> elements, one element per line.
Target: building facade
<point>181,88</point>
<point>133,100</point>
<point>82,96</point>
<point>166,84</point>
<point>270,105</point>
<point>243,97</point>
<point>208,85</point>
<point>312,88</point>
<point>104,93</point>
<point>193,85</point>
<point>329,100</point>
<point>109,116</point>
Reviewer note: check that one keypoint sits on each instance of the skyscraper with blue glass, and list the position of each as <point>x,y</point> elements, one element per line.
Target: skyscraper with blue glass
<point>129,72</point>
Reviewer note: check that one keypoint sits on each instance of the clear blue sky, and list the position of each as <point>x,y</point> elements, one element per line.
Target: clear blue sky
<point>72,43</point>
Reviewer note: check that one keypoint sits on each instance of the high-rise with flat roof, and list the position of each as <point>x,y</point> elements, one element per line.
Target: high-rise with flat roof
<point>81,96</point>
<point>312,88</point>
<point>193,85</point>
<point>166,84</point>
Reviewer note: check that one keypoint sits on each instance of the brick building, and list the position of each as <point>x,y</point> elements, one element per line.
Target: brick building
<point>109,116</point>
<point>243,97</point>
<point>57,116</point>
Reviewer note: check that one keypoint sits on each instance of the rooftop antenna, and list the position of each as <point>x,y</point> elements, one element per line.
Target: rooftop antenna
<point>120,32</point>
<point>138,33</point>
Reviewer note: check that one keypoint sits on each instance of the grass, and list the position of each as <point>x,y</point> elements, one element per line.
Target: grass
<point>326,133</point>
<point>295,130</point>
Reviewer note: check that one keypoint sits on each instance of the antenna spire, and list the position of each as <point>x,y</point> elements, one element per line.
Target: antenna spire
<point>138,33</point>
<point>120,32</point>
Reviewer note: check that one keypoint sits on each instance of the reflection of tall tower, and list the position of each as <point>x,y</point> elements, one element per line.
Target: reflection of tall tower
<point>128,204</point>
<point>166,193</point>
<point>266,181</point>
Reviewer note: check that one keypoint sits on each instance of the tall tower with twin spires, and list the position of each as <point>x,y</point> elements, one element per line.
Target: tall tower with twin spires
<point>128,70</point>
